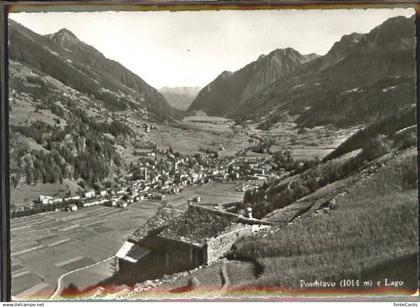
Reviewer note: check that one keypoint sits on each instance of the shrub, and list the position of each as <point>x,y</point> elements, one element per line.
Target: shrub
<point>409,176</point>
<point>376,147</point>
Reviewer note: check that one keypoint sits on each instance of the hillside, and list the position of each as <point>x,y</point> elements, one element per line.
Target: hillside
<point>360,227</point>
<point>73,114</point>
<point>398,127</point>
<point>362,78</point>
<point>230,89</point>
<point>327,215</point>
<point>180,97</point>
<point>64,57</point>
<point>394,133</point>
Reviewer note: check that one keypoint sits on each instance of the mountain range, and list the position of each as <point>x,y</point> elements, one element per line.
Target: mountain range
<point>349,85</point>
<point>76,64</point>
<point>226,93</point>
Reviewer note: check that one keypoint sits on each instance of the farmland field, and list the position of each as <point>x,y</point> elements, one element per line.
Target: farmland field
<point>51,244</point>
<point>206,132</point>
<point>47,245</point>
<point>211,132</point>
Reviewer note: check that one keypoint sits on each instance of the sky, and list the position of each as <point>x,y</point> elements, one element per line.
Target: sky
<point>191,48</point>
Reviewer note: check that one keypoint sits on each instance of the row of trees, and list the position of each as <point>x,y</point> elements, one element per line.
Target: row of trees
<point>44,208</point>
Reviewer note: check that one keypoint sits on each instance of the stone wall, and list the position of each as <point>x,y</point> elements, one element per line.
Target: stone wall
<point>220,245</point>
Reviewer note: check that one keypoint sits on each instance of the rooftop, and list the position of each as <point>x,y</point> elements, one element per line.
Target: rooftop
<point>195,225</point>
<point>198,224</point>
<point>163,217</point>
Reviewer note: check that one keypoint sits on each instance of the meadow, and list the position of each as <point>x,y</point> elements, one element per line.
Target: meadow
<point>193,133</point>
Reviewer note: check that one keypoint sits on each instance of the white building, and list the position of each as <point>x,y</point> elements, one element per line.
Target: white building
<point>90,194</point>
<point>43,199</point>
<point>56,200</point>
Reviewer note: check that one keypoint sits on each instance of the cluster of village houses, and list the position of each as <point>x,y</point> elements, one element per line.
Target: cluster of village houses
<point>162,172</point>
<point>132,122</point>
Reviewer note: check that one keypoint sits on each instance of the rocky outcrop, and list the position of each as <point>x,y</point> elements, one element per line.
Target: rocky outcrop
<point>229,89</point>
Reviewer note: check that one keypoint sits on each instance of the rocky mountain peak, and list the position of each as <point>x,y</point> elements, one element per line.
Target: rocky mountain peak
<point>261,57</point>
<point>227,91</point>
<point>341,48</point>
<point>311,56</point>
<point>82,67</point>
<point>393,34</point>
<point>225,74</point>
<point>279,53</point>
<point>393,31</point>
<point>65,38</point>
<point>285,53</point>
<point>351,39</point>
<point>63,34</point>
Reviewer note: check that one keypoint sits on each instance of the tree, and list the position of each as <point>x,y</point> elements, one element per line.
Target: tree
<point>81,183</point>
<point>407,140</point>
<point>29,174</point>
<point>376,147</point>
<point>248,197</point>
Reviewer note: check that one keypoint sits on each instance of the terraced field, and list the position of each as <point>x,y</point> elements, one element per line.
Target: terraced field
<point>47,245</point>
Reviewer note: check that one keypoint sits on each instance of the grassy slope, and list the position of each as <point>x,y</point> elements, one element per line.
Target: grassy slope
<point>375,222</point>
<point>26,193</point>
<point>388,126</point>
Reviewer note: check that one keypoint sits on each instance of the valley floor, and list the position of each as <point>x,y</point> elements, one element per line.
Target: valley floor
<point>208,132</point>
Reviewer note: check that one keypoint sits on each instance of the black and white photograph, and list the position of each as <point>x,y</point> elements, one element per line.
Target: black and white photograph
<point>229,154</point>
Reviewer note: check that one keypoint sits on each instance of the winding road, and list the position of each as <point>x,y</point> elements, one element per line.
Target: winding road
<point>226,282</point>
<point>60,279</point>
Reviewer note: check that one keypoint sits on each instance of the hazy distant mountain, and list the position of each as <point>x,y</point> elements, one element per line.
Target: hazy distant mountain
<point>180,97</point>
<point>230,89</point>
<point>363,77</point>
